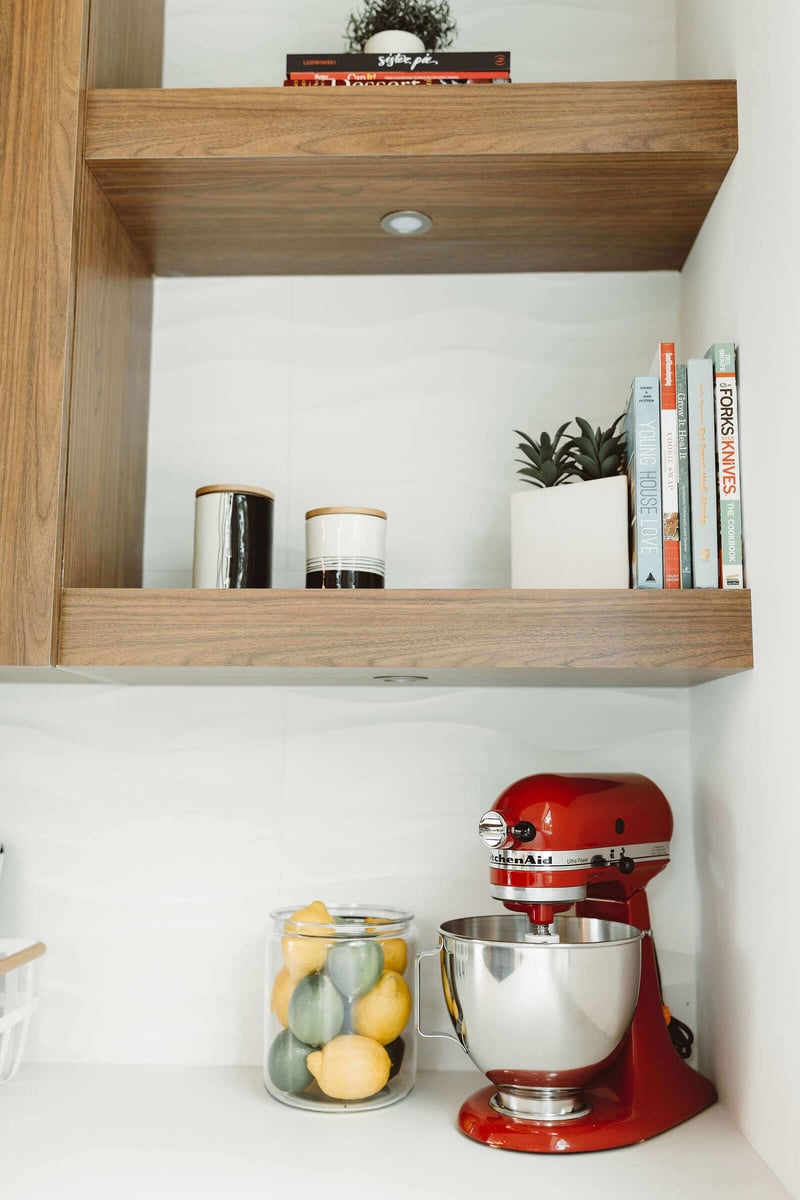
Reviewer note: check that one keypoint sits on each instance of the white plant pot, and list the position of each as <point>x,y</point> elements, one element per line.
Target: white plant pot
<point>571,536</point>
<point>393,41</point>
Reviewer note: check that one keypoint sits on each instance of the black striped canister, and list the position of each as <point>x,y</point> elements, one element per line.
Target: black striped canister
<point>345,548</point>
<point>232,537</point>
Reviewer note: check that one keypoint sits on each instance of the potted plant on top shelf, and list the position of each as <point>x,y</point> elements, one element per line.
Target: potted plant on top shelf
<point>573,536</point>
<point>399,26</point>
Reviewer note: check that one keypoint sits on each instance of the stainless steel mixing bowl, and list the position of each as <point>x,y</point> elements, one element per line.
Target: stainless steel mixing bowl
<point>540,1019</point>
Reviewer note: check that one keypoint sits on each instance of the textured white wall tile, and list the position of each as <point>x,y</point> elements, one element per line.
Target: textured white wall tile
<point>245,42</point>
<point>740,282</point>
<point>150,831</point>
<point>395,393</point>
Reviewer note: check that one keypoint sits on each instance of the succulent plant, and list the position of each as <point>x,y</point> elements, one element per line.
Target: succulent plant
<point>547,462</point>
<point>594,454</point>
<point>598,453</point>
<point>430,20</point>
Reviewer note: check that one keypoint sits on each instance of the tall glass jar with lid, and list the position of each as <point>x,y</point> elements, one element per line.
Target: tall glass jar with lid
<point>339,1021</point>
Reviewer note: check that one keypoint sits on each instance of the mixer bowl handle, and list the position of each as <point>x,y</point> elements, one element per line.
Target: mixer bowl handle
<point>451,1037</point>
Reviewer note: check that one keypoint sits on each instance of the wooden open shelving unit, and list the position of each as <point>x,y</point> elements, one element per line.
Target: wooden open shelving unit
<point>523,177</point>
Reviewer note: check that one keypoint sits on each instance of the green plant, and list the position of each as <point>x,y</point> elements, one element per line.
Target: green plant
<point>429,20</point>
<point>599,453</point>
<point>593,454</point>
<point>546,462</point>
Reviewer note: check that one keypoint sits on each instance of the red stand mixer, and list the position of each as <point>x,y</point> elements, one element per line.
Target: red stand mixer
<point>605,1072</point>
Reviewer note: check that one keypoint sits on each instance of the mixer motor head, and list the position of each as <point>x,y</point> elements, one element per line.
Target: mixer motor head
<point>556,839</point>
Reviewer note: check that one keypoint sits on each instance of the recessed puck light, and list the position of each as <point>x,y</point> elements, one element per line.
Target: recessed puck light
<point>406,223</point>
<point>401,678</point>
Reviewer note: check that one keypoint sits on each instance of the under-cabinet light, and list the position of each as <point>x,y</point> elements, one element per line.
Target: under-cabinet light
<point>406,223</point>
<point>401,678</point>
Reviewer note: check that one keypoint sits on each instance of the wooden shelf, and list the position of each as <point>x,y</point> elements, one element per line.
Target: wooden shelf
<point>521,177</point>
<point>564,638</point>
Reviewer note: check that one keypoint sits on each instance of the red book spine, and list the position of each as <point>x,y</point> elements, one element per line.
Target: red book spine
<point>669,465</point>
<point>389,82</point>
<point>487,75</point>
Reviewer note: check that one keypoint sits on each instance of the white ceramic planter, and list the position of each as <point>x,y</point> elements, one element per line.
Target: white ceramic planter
<point>393,41</point>
<point>572,536</point>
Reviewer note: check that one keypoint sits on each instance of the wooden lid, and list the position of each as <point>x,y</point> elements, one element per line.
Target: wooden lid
<point>367,512</point>
<point>233,487</point>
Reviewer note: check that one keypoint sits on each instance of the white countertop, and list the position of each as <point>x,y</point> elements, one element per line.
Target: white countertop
<point>121,1133</point>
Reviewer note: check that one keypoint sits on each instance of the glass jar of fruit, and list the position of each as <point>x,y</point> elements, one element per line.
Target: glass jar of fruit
<point>339,1025</point>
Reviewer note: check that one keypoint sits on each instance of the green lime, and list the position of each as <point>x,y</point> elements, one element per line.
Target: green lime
<point>355,966</point>
<point>316,1010</point>
<point>286,1063</point>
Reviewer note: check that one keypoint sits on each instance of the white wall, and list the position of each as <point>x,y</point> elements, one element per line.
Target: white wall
<point>244,43</point>
<point>741,282</point>
<point>149,831</point>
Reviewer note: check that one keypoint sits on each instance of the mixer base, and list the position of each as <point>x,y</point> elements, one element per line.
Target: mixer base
<point>611,1122</point>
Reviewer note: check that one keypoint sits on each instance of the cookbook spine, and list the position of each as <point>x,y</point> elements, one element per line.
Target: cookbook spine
<point>487,76</point>
<point>665,369</point>
<point>426,60</point>
<point>723,357</point>
<point>684,500</point>
<point>702,473</point>
<point>644,482</point>
<point>413,82</point>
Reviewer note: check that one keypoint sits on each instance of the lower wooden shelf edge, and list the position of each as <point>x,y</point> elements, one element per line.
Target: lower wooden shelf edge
<point>483,637</point>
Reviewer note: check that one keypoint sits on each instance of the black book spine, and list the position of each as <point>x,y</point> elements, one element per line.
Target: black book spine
<point>425,60</point>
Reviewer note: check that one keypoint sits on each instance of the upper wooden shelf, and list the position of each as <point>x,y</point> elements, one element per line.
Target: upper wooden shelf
<point>519,177</point>
<point>534,638</point>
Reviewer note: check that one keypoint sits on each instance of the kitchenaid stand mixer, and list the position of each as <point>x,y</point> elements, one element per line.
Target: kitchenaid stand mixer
<point>578,1049</point>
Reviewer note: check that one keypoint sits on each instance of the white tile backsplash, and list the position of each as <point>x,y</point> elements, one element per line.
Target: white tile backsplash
<point>390,392</point>
<point>149,832</point>
<point>244,43</point>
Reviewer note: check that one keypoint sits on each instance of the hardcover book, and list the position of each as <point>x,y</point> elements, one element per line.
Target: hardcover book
<point>723,357</point>
<point>434,62</point>
<point>664,368</point>
<point>644,480</point>
<point>684,495</point>
<point>479,76</point>
<point>702,473</point>
<point>389,81</point>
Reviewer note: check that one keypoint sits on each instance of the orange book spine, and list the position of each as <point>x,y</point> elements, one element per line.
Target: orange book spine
<point>669,465</point>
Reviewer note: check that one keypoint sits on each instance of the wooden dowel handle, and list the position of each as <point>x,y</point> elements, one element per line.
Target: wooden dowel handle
<point>21,957</point>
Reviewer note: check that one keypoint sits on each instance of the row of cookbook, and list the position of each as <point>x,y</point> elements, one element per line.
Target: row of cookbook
<point>682,429</point>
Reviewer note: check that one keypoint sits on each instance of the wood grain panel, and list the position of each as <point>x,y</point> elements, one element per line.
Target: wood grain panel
<point>536,177</point>
<point>104,515</point>
<point>126,44</point>
<point>285,217</point>
<point>659,117</point>
<point>104,506</point>
<point>536,636</point>
<point>41,54</point>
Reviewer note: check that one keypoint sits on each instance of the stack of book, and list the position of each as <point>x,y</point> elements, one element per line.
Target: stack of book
<point>397,70</point>
<point>683,470</point>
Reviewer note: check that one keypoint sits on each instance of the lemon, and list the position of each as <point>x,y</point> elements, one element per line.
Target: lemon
<point>355,966</point>
<point>282,990</point>
<point>395,955</point>
<point>383,1012</point>
<point>286,1063</point>
<point>316,1010</point>
<point>306,954</point>
<point>350,1067</point>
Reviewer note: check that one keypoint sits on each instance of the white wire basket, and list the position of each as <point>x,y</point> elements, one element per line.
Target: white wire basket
<point>17,1000</point>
